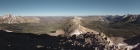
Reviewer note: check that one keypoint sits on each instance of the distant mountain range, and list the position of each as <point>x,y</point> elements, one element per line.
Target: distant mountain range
<point>10,19</point>
<point>132,18</point>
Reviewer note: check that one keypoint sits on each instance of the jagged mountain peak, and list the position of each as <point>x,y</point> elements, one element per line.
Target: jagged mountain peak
<point>126,15</point>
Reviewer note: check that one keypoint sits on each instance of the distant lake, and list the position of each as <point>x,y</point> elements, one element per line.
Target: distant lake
<point>19,28</point>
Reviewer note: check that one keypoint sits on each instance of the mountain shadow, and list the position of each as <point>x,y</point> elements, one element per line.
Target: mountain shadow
<point>132,41</point>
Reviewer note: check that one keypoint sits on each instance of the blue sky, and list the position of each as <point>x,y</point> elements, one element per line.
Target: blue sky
<point>69,7</point>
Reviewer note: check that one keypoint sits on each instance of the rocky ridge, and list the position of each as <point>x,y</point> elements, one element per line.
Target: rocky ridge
<point>77,29</point>
<point>10,19</point>
<point>131,18</point>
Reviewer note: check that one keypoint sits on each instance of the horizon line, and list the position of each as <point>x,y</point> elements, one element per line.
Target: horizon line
<point>69,15</point>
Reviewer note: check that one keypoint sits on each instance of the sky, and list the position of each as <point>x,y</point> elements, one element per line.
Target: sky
<point>69,7</point>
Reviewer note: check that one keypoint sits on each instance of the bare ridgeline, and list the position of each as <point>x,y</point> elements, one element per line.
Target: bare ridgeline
<point>10,19</point>
<point>73,37</point>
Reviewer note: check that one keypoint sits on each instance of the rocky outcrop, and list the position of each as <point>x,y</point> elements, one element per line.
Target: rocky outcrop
<point>10,19</point>
<point>91,41</point>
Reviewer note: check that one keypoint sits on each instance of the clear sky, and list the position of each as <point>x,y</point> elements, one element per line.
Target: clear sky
<point>69,7</point>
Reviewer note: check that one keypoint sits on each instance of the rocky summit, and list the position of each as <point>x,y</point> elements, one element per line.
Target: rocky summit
<point>10,19</point>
